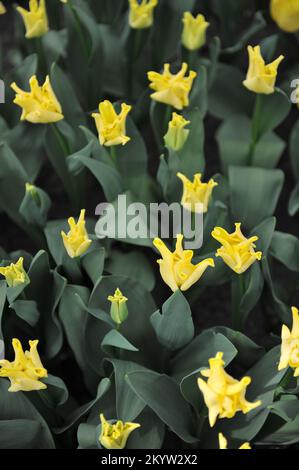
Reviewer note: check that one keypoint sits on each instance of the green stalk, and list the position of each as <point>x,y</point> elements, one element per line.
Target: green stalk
<point>42,63</point>
<point>255,129</point>
<point>237,292</point>
<point>167,118</point>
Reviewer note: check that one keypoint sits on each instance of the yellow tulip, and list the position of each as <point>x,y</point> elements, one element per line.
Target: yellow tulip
<point>194,31</point>
<point>35,19</point>
<point>223,443</point>
<point>286,14</point>
<point>14,274</point>
<point>142,14</point>
<point>115,436</point>
<point>176,135</point>
<point>176,268</point>
<point>236,251</point>
<point>261,78</point>
<point>223,395</point>
<point>172,89</point>
<point>196,195</point>
<point>118,311</point>
<point>2,8</point>
<point>76,242</point>
<point>26,370</point>
<point>39,105</point>
<point>111,126</point>
<point>289,356</point>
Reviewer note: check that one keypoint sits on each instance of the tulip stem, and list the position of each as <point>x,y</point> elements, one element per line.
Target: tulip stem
<point>237,292</point>
<point>113,154</point>
<point>61,140</point>
<point>42,63</point>
<point>255,128</point>
<point>167,117</point>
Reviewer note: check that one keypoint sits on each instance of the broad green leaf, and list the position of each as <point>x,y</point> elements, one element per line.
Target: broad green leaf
<point>266,186</point>
<point>174,326</point>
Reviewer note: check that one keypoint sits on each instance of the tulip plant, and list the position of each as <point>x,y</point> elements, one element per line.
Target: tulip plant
<point>140,342</point>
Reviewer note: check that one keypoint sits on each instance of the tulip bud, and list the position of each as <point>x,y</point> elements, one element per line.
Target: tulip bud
<point>176,135</point>
<point>118,310</point>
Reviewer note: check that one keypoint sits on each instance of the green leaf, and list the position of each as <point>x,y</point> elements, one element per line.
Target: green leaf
<point>275,108</point>
<point>191,156</point>
<point>16,406</point>
<point>293,206</point>
<point>197,353</point>
<point>82,411</point>
<point>285,248</point>
<point>174,327</point>
<point>128,405</point>
<point>266,185</point>
<point>26,310</point>
<point>227,95</point>
<point>114,339</point>
<point>265,232</point>
<point>133,265</point>
<point>163,396</point>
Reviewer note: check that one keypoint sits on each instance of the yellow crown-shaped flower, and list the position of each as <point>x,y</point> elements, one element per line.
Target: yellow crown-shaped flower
<point>223,395</point>
<point>286,14</point>
<point>142,14</point>
<point>110,125</point>
<point>26,370</point>
<point>14,274</point>
<point>176,135</point>
<point>172,89</point>
<point>176,269</point>
<point>2,8</point>
<point>115,436</point>
<point>236,251</point>
<point>261,78</point>
<point>118,310</point>
<point>39,105</point>
<point>289,355</point>
<point>35,19</point>
<point>196,195</point>
<point>76,242</point>
<point>223,443</point>
<point>194,31</point>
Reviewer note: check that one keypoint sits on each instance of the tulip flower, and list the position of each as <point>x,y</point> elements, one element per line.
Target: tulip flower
<point>14,274</point>
<point>176,135</point>
<point>194,31</point>
<point>110,125</point>
<point>115,436</point>
<point>223,395</point>
<point>172,89</point>
<point>223,443</point>
<point>26,370</point>
<point>176,268</point>
<point>76,242</point>
<point>142,13</point>
<point>39,105</point>
<point>236,251</point>
<point>2,8</point>
<point>35,19</point>
<point>119,310</point>
<point>261,78</point>
<point>289,355</point>
<point>286,14</point>
<point>196,195</point>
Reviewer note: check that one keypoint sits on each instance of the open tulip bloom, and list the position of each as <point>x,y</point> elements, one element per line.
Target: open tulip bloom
<point>149,213</point>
